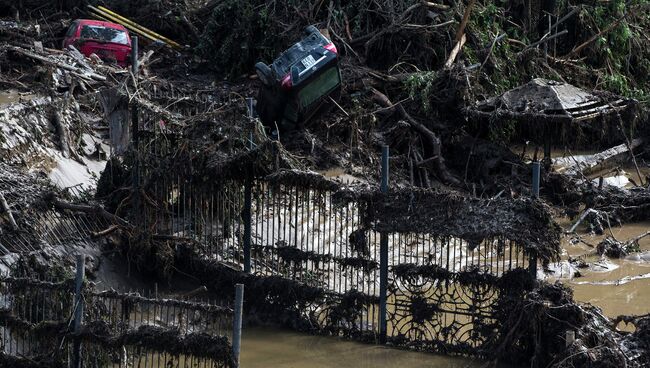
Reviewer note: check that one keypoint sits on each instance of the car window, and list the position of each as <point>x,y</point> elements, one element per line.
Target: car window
<point>72,29</point>
<point>102,33</point>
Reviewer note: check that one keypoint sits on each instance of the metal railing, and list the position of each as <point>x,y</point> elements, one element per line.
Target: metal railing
<point>373,281</point>
<point>58,323</point>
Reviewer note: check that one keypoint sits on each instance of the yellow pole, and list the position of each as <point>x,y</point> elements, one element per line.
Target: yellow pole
<point>100,17</point>
<point>139,27</point>
<point>115,20</point>
<point>134,28</point>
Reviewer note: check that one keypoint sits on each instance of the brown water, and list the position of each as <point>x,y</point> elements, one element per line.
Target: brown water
<point>620,286</point>
<point>340,174</point>
<point>12,97</point>
<point>264,348</point>
<point>627,169</point>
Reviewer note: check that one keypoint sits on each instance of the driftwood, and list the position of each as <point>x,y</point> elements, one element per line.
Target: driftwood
<point>5,207</point>
<point>78,56</point>
<point>545,39</point>
<point>62,132</point>
<point>96,210</point>
<point>454,52</point>
<point>436,5</point>
<point>438,162</point>
<point>612,26</point>
<point>602,160</point>
<point>461,38</point>
<point>74,70</point>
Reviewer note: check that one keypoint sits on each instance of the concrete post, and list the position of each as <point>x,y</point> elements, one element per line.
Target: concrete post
<point>536,179</point>
<point>134,55</point>
<point>237,322</point>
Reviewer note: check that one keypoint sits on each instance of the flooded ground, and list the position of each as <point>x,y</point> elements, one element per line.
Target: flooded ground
<point>273,347</point>
<point>263,348</point>
<point>618,286</point>
<point>12,97</point>
<point>341,175</point>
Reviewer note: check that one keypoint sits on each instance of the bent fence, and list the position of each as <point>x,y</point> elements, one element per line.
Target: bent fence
<point>46,324</point>
<point>414,268</point>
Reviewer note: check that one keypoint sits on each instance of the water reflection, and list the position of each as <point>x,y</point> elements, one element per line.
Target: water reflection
<point>264,347</point>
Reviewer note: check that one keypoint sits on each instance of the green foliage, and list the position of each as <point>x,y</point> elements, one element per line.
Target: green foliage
<point>420,87</point>
<point>485,24</point>
<point>240,33</point>
<point>623,52</point>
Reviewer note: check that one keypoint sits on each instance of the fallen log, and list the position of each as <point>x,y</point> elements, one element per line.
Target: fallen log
<point>461,37</point>
<point>435,5</point>
<point>438,161</point>
<point>92,209</point>
<point>599,161</point>
<point>7,210</point>
<point>62,132</point>
<point>77,71</point>
<point>454,52</point>
<point>111,229</point>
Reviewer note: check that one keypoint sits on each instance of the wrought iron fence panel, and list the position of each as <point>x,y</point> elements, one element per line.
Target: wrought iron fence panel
<point>36,319</point>
<point>442,290</point>
<point>32,313</point>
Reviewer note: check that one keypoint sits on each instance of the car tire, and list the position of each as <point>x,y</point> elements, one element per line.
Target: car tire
<point>264,73</point>
<point>311,30</point>
<point>270,106</point>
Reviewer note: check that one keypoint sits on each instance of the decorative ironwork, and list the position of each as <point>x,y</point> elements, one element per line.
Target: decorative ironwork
<point>440,313</point>
<point>315,256</point>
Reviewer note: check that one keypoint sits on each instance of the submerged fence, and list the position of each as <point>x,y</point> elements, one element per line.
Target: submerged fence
<point>57,324</point>
<point>413,268</point>
<point>438,290</point>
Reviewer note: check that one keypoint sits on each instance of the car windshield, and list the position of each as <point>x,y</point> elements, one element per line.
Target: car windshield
<point>101,33</point>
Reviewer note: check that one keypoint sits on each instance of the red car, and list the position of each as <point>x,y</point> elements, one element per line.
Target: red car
<point>109,41</point>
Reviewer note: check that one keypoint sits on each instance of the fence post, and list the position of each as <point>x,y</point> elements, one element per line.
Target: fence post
<point>135,173</point>
<point>78,311</point>
<point>383,255</point>
<point>532,267</point>
<point>247,222</point>
<point>536,178</point>
<point>134,55</point>
<point>237,322</point>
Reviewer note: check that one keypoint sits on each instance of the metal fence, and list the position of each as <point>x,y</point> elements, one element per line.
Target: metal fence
<point>437,292</point>
<point>47,322</point>
<point>432,291</point>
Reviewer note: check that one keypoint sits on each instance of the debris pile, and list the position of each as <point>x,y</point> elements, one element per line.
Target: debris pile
<point>548,328</point>
<point>450,86</point>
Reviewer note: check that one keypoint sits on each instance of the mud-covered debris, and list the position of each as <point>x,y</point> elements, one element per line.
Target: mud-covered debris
<point>614,248</point>
<point>546,110</point>
<point>523,221</point>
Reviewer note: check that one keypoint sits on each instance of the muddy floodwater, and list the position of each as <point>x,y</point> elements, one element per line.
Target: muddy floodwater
<point>618,286</point>
<point>12,97</point>
<point>264,348</point>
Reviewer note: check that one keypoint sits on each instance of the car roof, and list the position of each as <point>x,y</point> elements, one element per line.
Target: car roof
<point>93,22</point>
<point>296,52</point>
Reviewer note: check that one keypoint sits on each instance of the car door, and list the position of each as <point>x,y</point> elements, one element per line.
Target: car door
<point>70,35</point>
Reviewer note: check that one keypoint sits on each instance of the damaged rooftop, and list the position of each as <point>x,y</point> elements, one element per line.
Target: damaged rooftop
<point>398,182</point>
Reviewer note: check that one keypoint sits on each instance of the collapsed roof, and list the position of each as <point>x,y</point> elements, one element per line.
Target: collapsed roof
<point>544,108</point>
<point>554,101</point>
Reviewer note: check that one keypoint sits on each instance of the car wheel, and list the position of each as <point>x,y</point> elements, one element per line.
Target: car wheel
<point>270,106</point>
<point>311,29</point>
<point>264,74</point>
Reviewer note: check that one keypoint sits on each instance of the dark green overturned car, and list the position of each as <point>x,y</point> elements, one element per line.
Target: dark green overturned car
<point>299,82</point>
